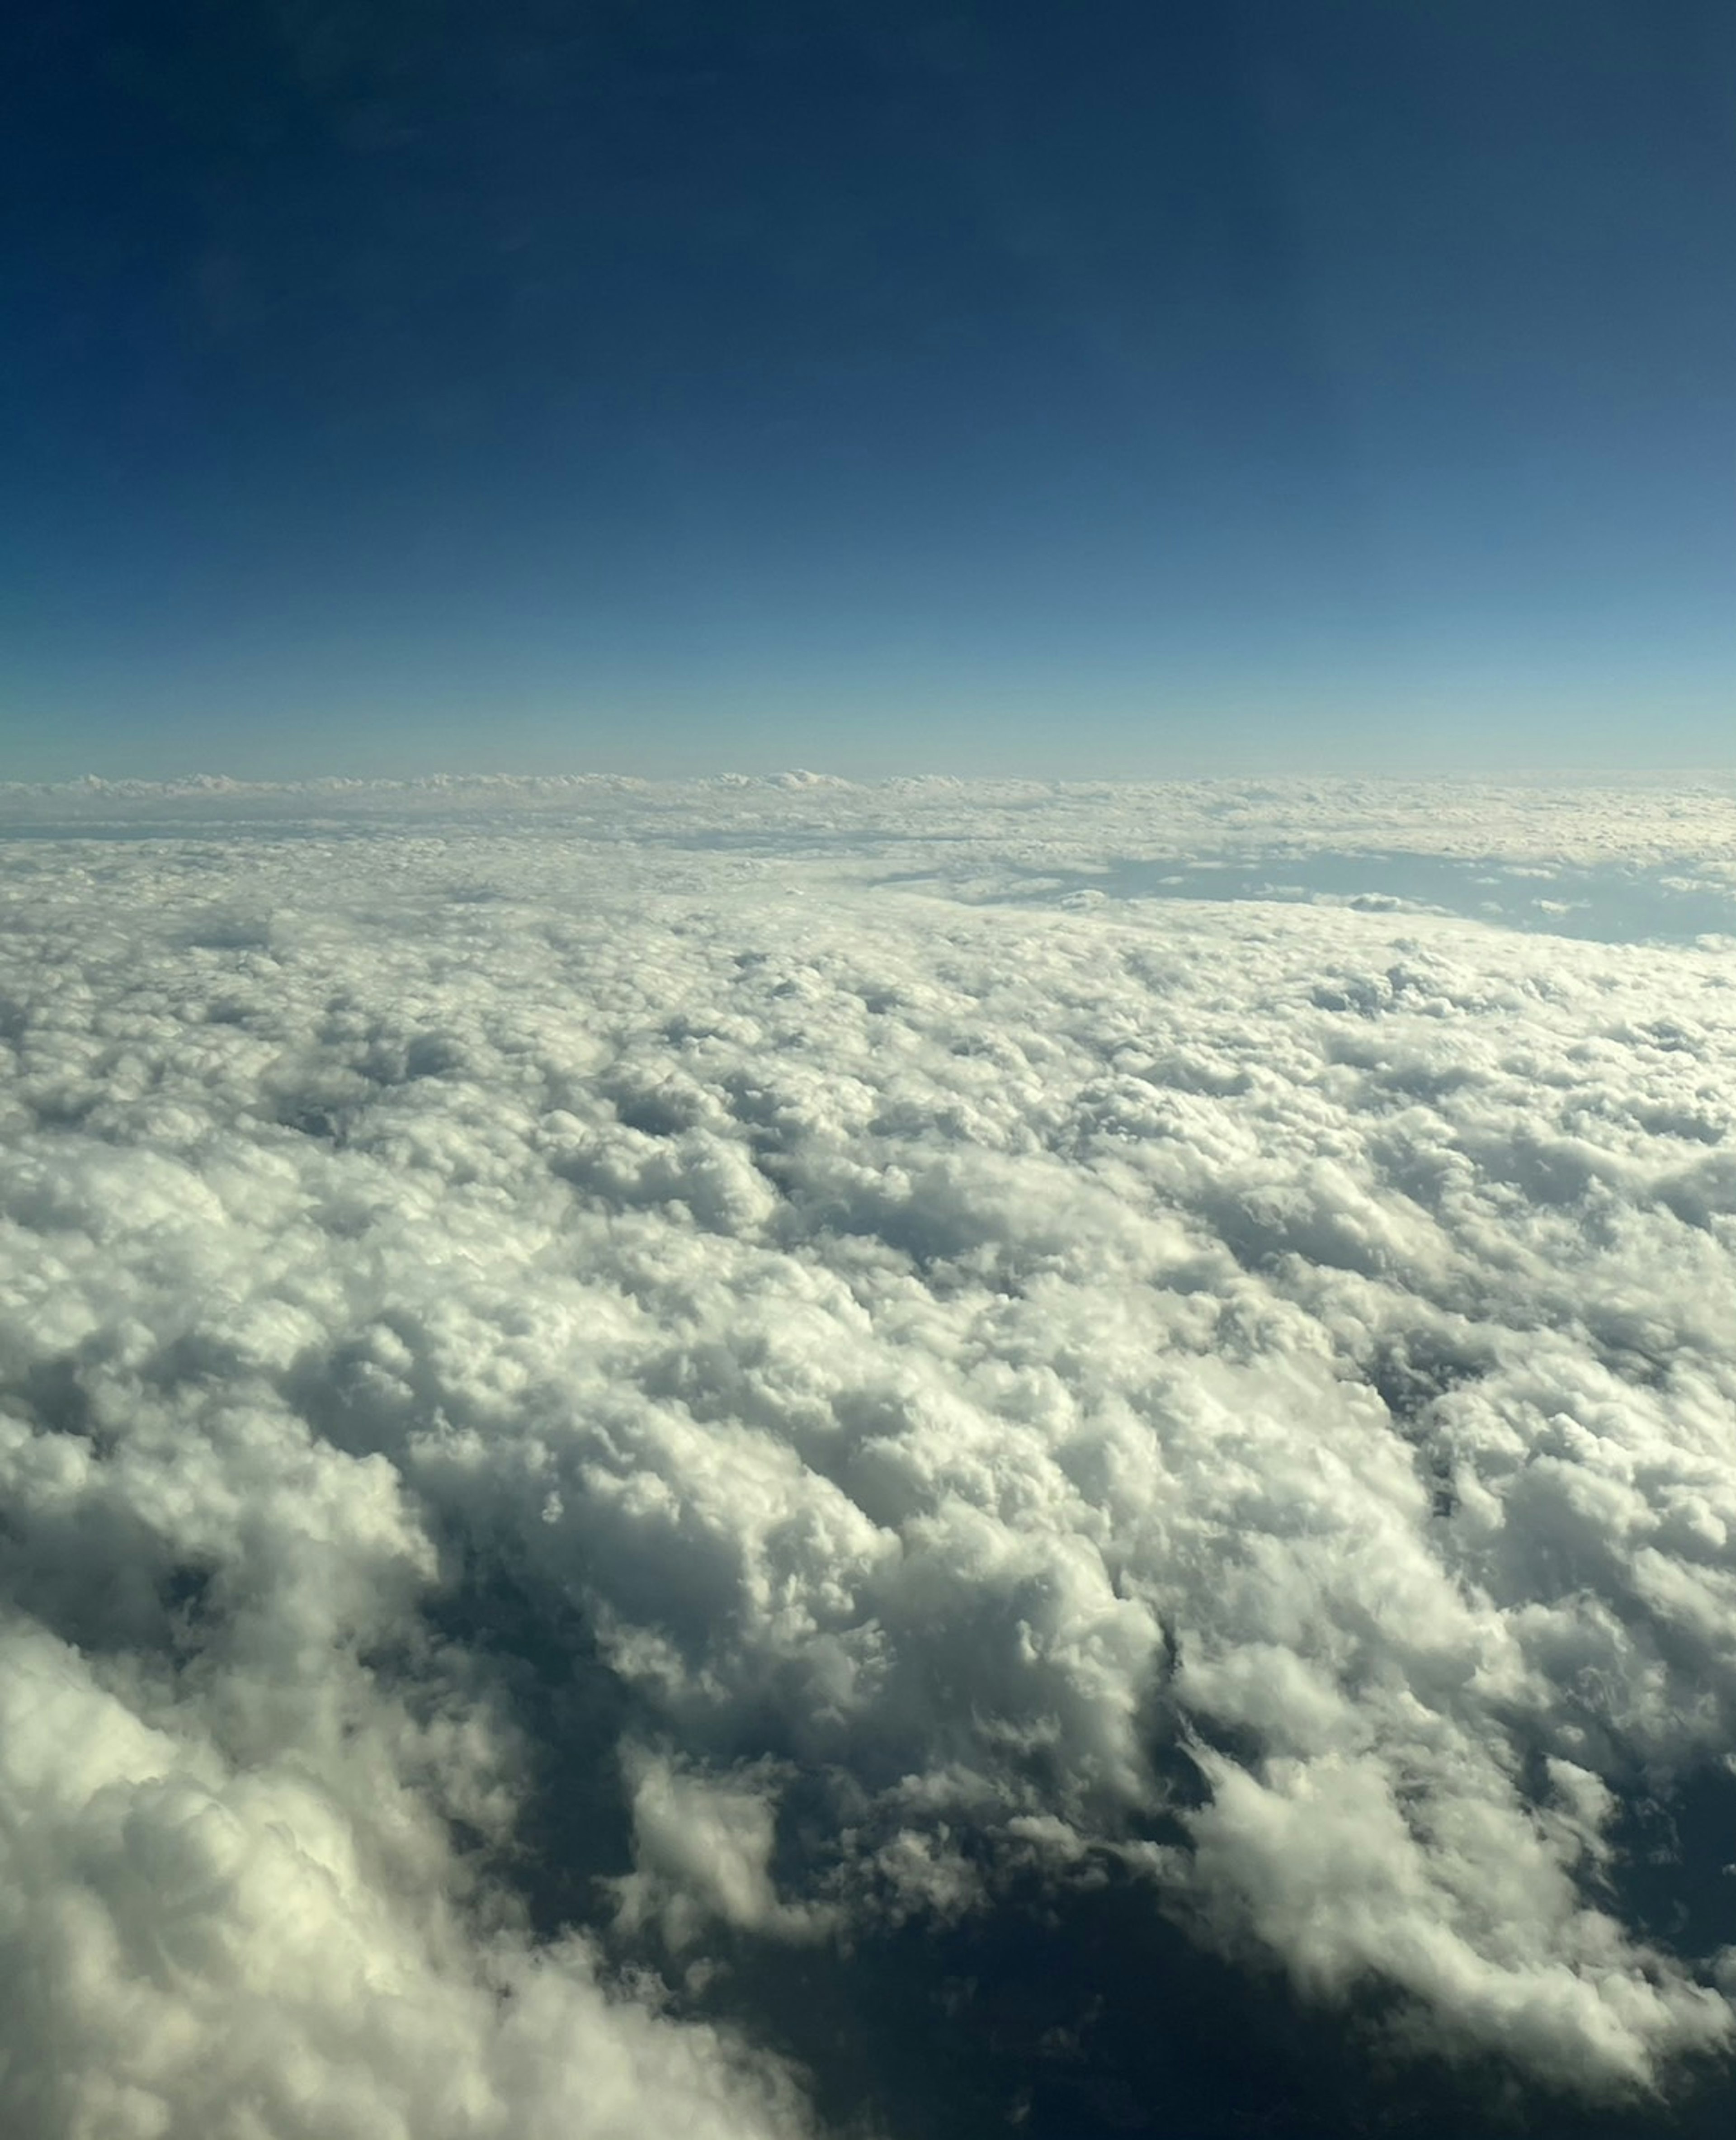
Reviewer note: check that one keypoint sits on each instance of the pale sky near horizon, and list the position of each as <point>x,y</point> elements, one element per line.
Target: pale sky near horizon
<point>1118,389</point>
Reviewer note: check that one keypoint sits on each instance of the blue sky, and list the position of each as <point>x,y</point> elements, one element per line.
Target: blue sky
<point>1107,389</point>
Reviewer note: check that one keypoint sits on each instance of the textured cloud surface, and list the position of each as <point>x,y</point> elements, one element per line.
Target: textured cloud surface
<point>612,1402</point>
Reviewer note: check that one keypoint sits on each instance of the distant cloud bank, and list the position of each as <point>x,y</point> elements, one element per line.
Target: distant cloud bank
<point>606,1391</point>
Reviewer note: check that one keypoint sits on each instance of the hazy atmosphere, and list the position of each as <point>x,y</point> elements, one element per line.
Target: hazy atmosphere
<point>1031,1435</point>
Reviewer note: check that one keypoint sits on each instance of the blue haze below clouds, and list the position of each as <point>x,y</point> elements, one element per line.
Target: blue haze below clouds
<point>1115,391</point>
<point>1607,906</point>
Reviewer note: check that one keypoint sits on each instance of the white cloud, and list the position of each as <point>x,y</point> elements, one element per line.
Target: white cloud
<point>996,1382</point>
<point>189,1945</point>
<point>702,1854</point>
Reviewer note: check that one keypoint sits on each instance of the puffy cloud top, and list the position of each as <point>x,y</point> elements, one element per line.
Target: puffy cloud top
<point>589,1398</point>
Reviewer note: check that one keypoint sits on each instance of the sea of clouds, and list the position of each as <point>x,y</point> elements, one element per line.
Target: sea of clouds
<point>713,1460</point>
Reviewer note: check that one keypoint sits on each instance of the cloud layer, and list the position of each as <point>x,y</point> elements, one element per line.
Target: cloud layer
<point>582,1406</point>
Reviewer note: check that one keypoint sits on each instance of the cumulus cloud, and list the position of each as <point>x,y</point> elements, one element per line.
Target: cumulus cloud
<point>595,1386</point>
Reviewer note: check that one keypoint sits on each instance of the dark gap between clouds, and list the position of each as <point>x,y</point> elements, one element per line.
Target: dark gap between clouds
<point>1068,2008</point>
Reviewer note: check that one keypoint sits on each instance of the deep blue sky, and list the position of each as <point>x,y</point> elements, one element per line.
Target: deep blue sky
<point>1094,386</point>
